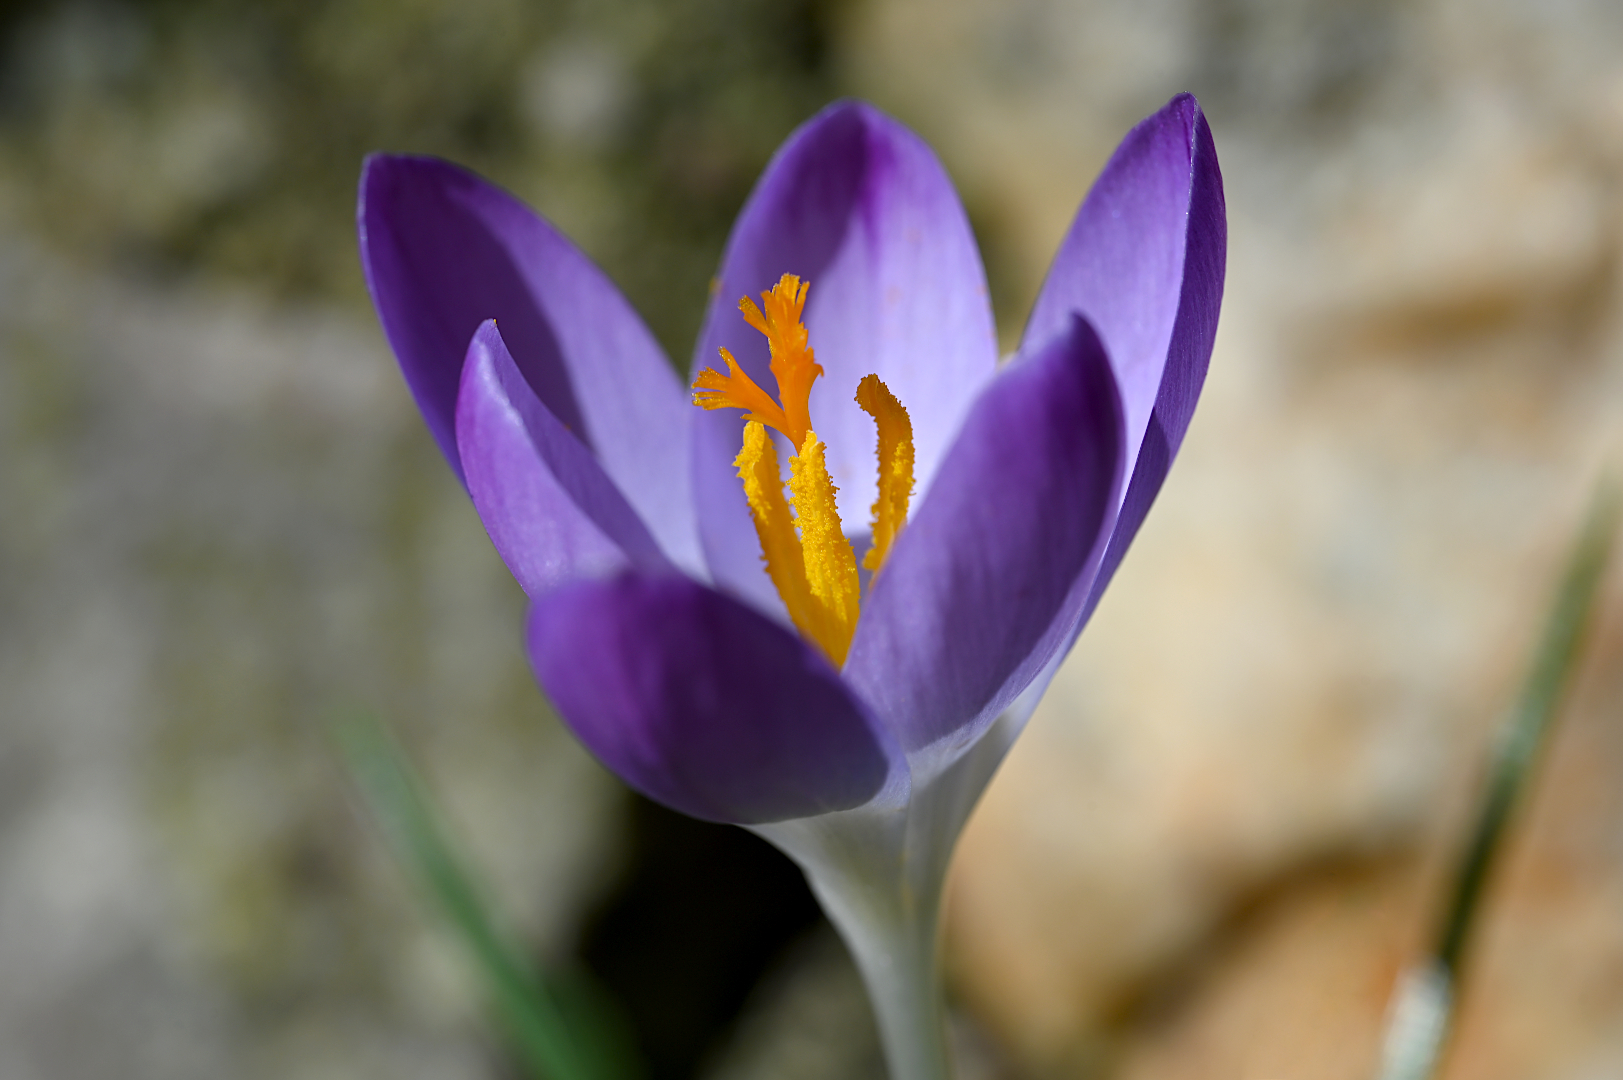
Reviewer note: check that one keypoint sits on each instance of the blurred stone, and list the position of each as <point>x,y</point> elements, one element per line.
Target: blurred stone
<point>226,528</point>
<point>1298,985</point>
<point>1418,377</point>
<point>207,139</point>
<point>577,92</point>
<point>222,541</point>
<point>1298,988</point>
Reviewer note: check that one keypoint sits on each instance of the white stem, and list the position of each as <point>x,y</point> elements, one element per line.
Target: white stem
<point>878,872</point>
<point>896,949</point>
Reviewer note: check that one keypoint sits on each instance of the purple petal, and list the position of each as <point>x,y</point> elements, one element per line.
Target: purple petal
<point>1144,262</point>
<point>444,250</point>
<point>550,509</point>
<point>976,593</point>
<point>704,704</point>
<point>860,207</point>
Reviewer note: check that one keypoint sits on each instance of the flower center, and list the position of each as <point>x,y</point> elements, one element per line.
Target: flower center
<point>815,572</point>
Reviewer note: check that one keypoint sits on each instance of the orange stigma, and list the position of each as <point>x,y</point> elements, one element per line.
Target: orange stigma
<point>793,366</point>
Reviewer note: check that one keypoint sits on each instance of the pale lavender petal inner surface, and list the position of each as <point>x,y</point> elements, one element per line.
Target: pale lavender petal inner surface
<point>550,509</point>
<point>968,607</point>
<point>860,207</point>
<point>704,704</point>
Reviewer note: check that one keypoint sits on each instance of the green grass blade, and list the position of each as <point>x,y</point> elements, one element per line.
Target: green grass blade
<point>1422,1011</point>
<point>558,1032</point>
<point>1523,739</point>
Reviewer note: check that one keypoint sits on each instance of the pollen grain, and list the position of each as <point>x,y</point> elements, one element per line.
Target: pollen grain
<point>757,465</point>
<point>831,566</point>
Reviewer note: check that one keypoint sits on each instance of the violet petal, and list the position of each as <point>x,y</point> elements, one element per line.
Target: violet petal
<point>861,208</point>
<point>550,509</point>
<point>704,704</point>
<point>443,250</point>
<point>969,605</point>
<point>1144,261</point>
<point>1187,357</point>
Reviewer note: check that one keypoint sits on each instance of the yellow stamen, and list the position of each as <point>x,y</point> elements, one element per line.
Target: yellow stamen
<point>815,572</point>
<point>895,466</point>
<point>830,565</point>
<point>793,363</point>
<point>757,465</point>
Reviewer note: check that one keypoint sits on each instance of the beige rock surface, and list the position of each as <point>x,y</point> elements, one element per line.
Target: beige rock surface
<point>1297,984</point>
<point>1418,378</point>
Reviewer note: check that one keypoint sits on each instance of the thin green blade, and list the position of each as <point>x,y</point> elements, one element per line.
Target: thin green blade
<point>559,1029</point>
<point>1420,1019</point>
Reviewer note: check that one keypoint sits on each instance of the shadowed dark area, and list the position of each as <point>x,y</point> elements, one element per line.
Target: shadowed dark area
<point>702,912</point>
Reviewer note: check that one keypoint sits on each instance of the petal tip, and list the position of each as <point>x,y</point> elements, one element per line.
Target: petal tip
<point>1185,104</point>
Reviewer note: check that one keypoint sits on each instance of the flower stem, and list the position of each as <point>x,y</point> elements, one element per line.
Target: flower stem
<point>878,871</point>
<point>912,1020</point>
<point>893,935</point>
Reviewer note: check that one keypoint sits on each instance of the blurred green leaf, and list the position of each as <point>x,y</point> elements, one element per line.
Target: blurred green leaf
<point>560,1028</point>
<point>1520,744</point>
<point>1419,1021</point>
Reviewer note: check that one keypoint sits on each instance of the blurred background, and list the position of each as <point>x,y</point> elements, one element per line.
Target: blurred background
<point>223,528</point>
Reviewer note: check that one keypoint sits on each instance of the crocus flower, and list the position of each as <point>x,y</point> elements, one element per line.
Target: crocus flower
<point>739,663</point>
